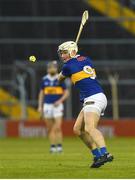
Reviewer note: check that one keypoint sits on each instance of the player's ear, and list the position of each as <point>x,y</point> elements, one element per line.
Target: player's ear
<point>73,53</point>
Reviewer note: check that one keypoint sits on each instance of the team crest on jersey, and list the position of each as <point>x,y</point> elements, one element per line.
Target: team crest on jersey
<point>88,69</point>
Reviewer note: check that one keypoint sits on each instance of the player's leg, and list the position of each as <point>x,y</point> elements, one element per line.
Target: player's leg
<point>79,131</point>
<point>84,136</point>
<point>49,120</point>
<point>58,117</point>
<point>91,120</point>
<point>105,156</point>
<point>58,133</point>
<point>94,107</point>
<point>51,134</point>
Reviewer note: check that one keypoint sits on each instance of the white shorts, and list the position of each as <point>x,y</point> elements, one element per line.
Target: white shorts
<point>95,103</point>
<point>51,111</point>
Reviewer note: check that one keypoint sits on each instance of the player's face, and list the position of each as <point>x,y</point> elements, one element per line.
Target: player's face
<point>52,70</point>
<point>65,56</point>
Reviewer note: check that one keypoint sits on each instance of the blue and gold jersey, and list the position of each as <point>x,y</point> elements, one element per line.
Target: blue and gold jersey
<point>82,73</point>
<point>52,89</point>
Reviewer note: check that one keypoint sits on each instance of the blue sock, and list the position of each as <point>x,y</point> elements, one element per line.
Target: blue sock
<point>52,145</point>
<point>103,151</point>
<point>59,145</point>
<point>96,153</point>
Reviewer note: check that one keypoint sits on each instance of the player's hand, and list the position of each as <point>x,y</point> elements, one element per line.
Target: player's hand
<point>40,110</point>
<point>57,103</point>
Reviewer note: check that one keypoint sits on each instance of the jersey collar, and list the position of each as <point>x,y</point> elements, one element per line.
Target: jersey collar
<point>52,78</point>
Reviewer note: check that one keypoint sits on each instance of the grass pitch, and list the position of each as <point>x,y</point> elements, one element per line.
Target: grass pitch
<point>29,158</point>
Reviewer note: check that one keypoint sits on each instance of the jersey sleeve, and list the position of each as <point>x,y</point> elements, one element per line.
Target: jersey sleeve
<point>90,62</point>
<point>42,86</point>
<point>66,71</point>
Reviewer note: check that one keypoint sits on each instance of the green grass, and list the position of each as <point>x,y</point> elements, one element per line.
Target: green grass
<point>29,158</point>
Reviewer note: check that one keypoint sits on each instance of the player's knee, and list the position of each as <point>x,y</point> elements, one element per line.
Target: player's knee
<point>77,130</point>
<point>58,129</point>
<point>49,129</point>
<point>89,130</point>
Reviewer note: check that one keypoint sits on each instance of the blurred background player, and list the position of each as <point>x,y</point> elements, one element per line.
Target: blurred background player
<point>82,73</point>
<point>50,105</point>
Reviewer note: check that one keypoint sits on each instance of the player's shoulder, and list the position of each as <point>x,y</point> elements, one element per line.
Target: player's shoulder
<point>75,60</point>
<point>45,77</point>
<point>82,58</point>
<point>50,78</point>
<point>67,64</point>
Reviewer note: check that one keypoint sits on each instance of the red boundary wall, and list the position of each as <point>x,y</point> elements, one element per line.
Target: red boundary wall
<point>31,129</point>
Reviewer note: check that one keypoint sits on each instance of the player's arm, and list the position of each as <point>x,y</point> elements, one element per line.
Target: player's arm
<point>61,77</point>
<point>40,101</point>
<point>64,95</point>
<point>63,98</point>
<point>64,73</point>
